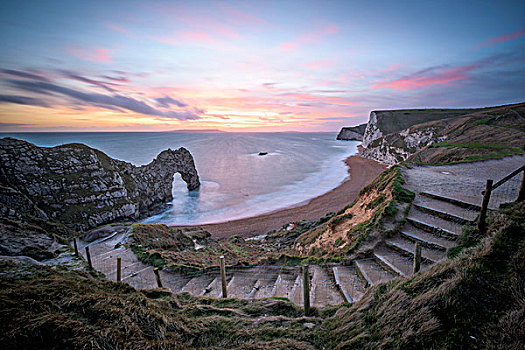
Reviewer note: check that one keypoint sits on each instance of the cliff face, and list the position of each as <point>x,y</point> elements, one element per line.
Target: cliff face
<point>352,133</point>
<point>488,133</point>
<point>397,147</point>
<point>382,123</point>
<point>82,187</point>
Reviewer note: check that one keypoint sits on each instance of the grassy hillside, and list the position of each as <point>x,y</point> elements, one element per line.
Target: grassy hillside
<point>474,300</point>
<point>492,133</point>
<point>397,120</point>
<point>486,134</point>
<point>378,211</point>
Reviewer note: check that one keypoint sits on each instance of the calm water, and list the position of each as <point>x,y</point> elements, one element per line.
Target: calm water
<point>235,181</point>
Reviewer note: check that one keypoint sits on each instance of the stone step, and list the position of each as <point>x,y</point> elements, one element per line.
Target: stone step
<point>406,247</point>
<point>456,202</point>
<point>348,280</point>
<point>467,213</point>
<point>396,263</point>
<point>264,287</point>
<point>428,239</point>
<point>442,214</point>
<point>372,272</point>
<point>284,284</point>
<point>214,289</point>
<point>196,285</point>
<point>432,220</point>
<point>323,290</point>
<point>432,229</point>
<point>142,279</point>
<point>173,280</point>
<point>241,284</point>
<point>434,224</point>
<point>296,295</point>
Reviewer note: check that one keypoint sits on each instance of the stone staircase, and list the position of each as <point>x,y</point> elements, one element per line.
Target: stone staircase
<point>434,221</point>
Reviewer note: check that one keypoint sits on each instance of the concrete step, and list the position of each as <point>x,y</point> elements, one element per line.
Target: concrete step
<point>406,247</point>
<point>442,214</point>
<point>214,288</point>
<point>173,280</point>
<point>456,202</point>
<point>431,223</point>
<point>296,294</point>
<point>196,285</point>
<point>264,287</point>
<point>142,279</point>
<point>352,286</point>
<point>323,289</point>
<point>284,283</point>
<point>372,272</point>
<point>241,284</point>
<point>428,239</point>
<point>394,262</point>
<point>468,213</point>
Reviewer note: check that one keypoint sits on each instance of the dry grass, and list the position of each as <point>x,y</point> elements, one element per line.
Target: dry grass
<point>476,300</point>
<point>47,309</point>
<point>473,301</point>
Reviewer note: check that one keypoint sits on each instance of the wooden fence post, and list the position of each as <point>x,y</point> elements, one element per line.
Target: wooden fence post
<point>482,225</point>
<point>76,247</point>
<point>306,290</point>
<point>156,270</point>
<point>223,277</point>
<point>521,193</point>
<point>89,258</point>
<point>119,266</point>
<point>417,257</point>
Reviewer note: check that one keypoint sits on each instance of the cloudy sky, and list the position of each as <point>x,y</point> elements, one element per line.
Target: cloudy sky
<point>251,65</point>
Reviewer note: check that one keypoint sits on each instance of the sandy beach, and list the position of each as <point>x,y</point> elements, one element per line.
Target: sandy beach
<point>361,170</point>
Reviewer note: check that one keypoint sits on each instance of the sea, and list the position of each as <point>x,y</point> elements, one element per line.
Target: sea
<point>236,182</point>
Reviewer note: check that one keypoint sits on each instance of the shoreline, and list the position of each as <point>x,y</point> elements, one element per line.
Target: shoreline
<point>361,172</point>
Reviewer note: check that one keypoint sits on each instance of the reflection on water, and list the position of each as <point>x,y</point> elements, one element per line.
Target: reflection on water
<point>236,181</point>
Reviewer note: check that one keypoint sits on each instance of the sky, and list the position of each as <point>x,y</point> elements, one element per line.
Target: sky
<point>251,65</point>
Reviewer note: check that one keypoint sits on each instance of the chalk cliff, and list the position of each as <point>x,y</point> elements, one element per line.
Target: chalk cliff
<point>354,133</point>
<point>441,136</point>
<point>382,123</point>
<point>82,187</point>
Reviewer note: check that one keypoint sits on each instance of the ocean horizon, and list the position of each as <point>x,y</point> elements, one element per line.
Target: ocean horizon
<point>236,182</point>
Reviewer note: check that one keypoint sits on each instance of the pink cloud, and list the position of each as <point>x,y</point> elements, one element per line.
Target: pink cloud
<point>500,39</point>
<point>118,28</point>
<point>197,36</point>
<point>98,54</point>
<point>239,17</point>
<point>310,38</point>
<point>427,77</point>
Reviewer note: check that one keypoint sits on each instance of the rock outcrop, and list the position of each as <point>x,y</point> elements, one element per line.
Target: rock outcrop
<point>487,133</point>
<point>82,187</point>
<point>382,123</point>
<point>397,147</point>
<point>354,133</point>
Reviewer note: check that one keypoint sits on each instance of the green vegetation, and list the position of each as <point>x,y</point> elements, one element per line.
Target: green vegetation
<point>473,300</point>
<point>394,121</point>
<point>490,134</point>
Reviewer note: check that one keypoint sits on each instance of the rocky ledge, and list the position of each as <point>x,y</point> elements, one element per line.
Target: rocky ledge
<point>354,133</point>
<point>82,187</point>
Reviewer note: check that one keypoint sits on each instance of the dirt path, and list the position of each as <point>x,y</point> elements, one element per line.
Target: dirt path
<point>362,171</point>
<point>466,181</point>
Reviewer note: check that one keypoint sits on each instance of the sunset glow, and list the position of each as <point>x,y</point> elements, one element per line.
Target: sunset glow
<point>250,65</point>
